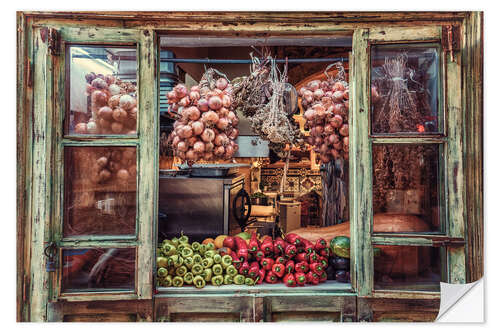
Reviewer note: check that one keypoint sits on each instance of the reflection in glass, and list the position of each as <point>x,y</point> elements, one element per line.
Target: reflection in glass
<point>407,267</point>
<point>405,181</point>
<point>100,191</point>
<point>103,91</point>
<point>405,89</point>
<point>98,269</point>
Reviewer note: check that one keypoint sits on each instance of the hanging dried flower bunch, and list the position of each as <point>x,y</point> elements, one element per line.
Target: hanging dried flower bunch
<point>261,98</point>
<point>400,109</point>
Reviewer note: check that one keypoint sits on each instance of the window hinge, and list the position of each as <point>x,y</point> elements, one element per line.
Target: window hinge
<point>448,241</point>
<point>54,42</point>
<point>450,40</point>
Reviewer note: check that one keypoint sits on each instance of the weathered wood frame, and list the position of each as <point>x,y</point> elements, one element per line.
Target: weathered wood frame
<point>35,137</point>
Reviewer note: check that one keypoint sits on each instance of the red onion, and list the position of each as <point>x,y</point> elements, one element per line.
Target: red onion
<point>202,105</point>
<point>235,146</point>
<point>181,155</point>
<point>117,127</point>
<point>338,86</point>
<point>229,151</point>
<point>191,141</point>
<point>210,118</point>
<point>345,141</point>
<point>338,108</point>
<point>209,146</point>
<point>302,91</point>
<point>119,115</point>
<point>226,101</point>
<point>325,158</point>
<point>198,127</point>
<point>172,97</point>
<point>346,94</point>
<point>338,145</point>
<point>194,96</point>
<point>319,130</point>
<point>180,90</point>
<point>199,147</point>
<point>310,140</point>
<point>186,132</point>
<point>193,113</point>
<point>81,128</point>
<point>319,110</point>
<point>328,129</point>
<point>184,101</point>
<point>221,83</point>
<point>313,85</point>
<point>318,141</point>
<point>191,155</point>
<point>219,151</point>
<point>335,153</point>
<point>182,146</point>
<point>234,134</point>
<point>175,141</point>
<point>195,88</point>
<point>208,135</point>
<point>344,130</point>
<point>105,113</point>
<point>309,114</point>
<point>338,96</point>
<point>318,94</point>
<point>208,156</point>
<point>221,139</point>
<point>336,121</point>
<point>333,138</point>
<point>222,123</point>
<point>346,104</point>
<point>215,102</point>
<point>223,112</point>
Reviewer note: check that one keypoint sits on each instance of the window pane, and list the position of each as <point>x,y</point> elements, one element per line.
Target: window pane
<point>405,89</point>
<point>406,182</point>
<point>100,191</point>
<point>407,267</point>
<point>98,269</point>
<point>103,91</point>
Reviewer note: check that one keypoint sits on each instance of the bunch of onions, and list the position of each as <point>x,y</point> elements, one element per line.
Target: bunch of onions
<point>113,106</point>
<point>206,128</point>
<point>326,105</point>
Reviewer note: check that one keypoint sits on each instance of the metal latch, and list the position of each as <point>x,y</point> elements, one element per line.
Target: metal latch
<point>50,252</point>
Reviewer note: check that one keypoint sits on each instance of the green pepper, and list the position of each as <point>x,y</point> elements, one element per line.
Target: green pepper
<point>207,262</point>
<point>169,249</point>
<point>198,281</point>
<point>177,260</point>
<point>188,278</point>
<point>217,280</point>
<point>217,258</point>
<point>171,270</point>
<point>239,279</point>
<point>197,269</point>
<point>210,253</point>
<point>217,269</point>
<point>197,259</point>
<point>227,261</point>
<point>167,241</point>
<point>178,281</point>
<point>203,249</point>
<point>231,270</point>
<point>167,281</point>
<point>181,270</point>
<point>207,274</point>
<point>162,262</point>
<point>162,272</point>
<point>175,241</point>
<point>188,262</point>
<point>210,246</point>
<point>186,252</point>
<point>195,246</point>
<point>249,281</point>
<point>228,279</point>
<point>181,247</point>
<point>184,239</point>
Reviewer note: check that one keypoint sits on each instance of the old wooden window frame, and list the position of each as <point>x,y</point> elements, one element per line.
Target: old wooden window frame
<point>51,57</point>
<point>35,111</point>
<point>451,175</point>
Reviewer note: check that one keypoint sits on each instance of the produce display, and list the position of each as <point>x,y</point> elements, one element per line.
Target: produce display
<point>326,105</point>
<point>113,104</point>
<point>246,259</point>
<point>118,165</point>
<point>206,124</point>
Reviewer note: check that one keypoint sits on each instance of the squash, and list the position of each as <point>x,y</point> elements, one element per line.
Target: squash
<point>341,246</point>
<point>219,240</point>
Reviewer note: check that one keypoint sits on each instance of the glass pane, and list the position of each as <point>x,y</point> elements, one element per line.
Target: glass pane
<point>407,267</point>
<point>98,269</point>
<point>405,89</point>
<point>405,188</point>
<point>103,90</point>
<point>100,191</point>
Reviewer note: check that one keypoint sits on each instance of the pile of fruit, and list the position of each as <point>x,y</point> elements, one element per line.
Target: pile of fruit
<point>246,259</point>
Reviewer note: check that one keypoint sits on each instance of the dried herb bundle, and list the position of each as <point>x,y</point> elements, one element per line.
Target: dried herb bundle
<point>261,98</point>
<point>401,109</point>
